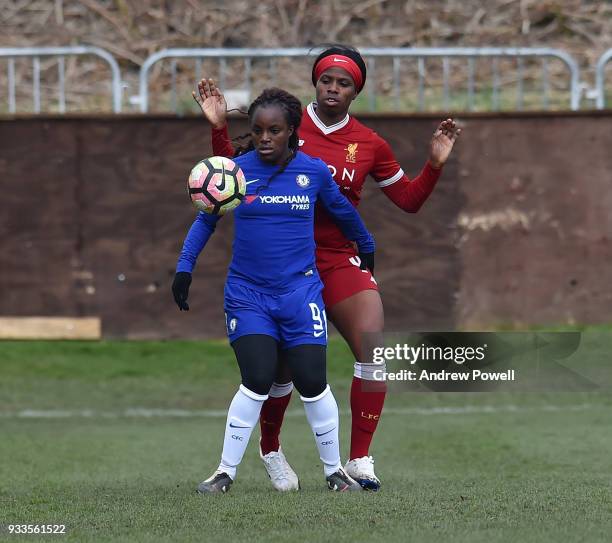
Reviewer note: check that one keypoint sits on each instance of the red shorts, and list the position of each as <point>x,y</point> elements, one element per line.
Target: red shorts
<point>341,275</point>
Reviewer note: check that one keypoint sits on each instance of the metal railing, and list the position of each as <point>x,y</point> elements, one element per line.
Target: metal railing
<point>393,55</point>
<point>371,54</point>
<point>36,52</point>
<point>600,79</point>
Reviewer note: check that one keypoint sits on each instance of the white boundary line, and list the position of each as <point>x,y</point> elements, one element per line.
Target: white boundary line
<point>143,412</point>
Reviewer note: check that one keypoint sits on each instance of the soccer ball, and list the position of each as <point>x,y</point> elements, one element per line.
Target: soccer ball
<point>216,185</point>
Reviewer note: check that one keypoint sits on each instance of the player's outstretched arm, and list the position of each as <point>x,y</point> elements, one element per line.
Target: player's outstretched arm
<point>410,195</point>
<point>211,102</point>
<point>196,239</point>
<point>442,142</point>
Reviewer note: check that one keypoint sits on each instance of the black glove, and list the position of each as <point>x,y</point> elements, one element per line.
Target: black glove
<point>180,289</point>
<point>367,261</point>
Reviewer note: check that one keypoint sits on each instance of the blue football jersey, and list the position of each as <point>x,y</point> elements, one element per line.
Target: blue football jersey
<point>274,248</point>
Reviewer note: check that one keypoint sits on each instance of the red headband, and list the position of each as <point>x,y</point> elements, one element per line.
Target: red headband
<point>340,61</point>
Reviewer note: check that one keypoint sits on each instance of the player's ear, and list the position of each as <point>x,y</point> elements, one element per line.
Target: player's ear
<point>291,130</point>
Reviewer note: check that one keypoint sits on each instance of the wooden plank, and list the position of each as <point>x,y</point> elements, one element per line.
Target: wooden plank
<point>50,328</point>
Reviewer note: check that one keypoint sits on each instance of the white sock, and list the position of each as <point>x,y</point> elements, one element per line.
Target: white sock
<point>242,416</point>
<point>322,414</point>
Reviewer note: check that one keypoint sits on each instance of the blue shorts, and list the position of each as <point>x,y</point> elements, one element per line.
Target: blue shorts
<point>294,318</point>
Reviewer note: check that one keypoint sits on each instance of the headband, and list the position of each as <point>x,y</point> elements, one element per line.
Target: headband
<point>340,61</point>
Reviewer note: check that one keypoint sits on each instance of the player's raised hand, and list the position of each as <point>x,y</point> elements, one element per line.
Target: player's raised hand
<point>442,142</point>
<point>211,102</point>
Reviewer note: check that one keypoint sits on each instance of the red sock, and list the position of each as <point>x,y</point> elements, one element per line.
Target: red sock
<point>367,399</point>
<point>271,420</point>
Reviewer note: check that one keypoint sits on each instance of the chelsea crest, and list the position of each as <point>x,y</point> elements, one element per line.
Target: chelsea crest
<point>302,180</point>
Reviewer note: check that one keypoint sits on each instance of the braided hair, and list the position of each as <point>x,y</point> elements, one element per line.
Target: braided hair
<point>292,109</point>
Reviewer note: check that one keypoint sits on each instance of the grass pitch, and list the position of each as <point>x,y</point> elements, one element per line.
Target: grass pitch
<point>111,439</point>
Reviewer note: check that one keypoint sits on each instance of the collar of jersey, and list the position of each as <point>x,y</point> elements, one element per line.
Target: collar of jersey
<point>310,109</point>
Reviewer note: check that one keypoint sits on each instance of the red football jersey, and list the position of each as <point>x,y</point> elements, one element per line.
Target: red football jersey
<point>351,151</point>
